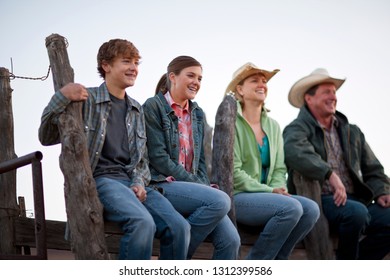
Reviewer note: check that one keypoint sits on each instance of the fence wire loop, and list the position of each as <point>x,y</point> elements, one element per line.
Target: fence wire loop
<point>12,76</point>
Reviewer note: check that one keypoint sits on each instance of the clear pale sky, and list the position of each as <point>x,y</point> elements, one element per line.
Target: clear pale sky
<point>350,38</point>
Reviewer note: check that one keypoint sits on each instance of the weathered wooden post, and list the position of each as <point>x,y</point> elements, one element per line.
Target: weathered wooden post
<point>318,244</point>
<point>207,140</point>
<point>83,208</point>
<point>9,209</point>
<point>223,141</point>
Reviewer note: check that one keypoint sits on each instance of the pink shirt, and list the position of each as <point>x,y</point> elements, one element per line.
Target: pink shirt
<point>186,153</point>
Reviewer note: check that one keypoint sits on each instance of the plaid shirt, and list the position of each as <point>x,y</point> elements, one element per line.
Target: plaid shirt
<point>186,154</point>
<point>335,158</point>
<point>95,112</point>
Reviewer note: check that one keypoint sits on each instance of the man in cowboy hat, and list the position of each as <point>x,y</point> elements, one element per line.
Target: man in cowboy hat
<point>322,145</point>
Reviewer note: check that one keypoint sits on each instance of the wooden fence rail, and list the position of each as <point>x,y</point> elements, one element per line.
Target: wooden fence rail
<point>39,225</point>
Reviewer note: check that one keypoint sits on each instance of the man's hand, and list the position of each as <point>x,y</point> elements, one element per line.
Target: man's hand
<point>384,200</point>
<point>339,193</point>
<point>140,192</point>
<point>74,92</point>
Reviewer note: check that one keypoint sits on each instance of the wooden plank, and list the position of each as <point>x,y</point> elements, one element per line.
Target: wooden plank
<point>24,229</point>
<point>25,236</point>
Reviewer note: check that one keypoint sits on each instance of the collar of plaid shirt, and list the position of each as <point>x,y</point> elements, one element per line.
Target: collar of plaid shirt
<point>186,153</point>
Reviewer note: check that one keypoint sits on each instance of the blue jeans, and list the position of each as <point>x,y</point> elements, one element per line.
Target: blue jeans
<point>205,209</point>
<point>141,222</point>
<point>355,221</point>
<point>286,221</point>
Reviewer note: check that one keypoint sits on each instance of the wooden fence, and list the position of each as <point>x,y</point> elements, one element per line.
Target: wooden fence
<point>91,237</point>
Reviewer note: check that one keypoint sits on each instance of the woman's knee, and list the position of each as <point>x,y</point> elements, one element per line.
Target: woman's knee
<point>221,201</point>
<point>293,208</point>
<point>310,208</point>
<point>181,227</point>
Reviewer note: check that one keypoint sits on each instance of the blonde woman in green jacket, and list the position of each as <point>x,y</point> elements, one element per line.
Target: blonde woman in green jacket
<point>261,197</point>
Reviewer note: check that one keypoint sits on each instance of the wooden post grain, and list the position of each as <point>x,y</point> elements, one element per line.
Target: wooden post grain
<point>83,208</point>
<point>223,141</point>
<point>207,140</point>
<point>318,244</point>
<point>9,209</point>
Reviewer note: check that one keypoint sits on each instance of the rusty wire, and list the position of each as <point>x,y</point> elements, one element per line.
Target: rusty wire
<point>12,76</point>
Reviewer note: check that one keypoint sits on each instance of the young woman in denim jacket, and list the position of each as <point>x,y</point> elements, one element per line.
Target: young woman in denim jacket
<point>260,194</point>
<point>175,128</point>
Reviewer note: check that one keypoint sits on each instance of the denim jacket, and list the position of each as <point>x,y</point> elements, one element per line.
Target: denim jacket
<point>163,142</point>
<point>95,112</point>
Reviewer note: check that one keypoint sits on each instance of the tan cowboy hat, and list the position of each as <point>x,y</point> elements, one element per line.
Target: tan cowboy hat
<point>248,69</point>
<point>318,76</point>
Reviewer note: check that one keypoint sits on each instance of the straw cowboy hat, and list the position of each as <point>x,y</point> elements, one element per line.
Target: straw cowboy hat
<point>318,76</point>
<point>248,69</point>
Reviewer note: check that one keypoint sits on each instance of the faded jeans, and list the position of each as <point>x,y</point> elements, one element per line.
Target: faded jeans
<point>141,222</point>
<point>205,209</point>
<point>286,221</point>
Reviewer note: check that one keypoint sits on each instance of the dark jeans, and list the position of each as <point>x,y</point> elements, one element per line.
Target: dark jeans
<point>355,221</point>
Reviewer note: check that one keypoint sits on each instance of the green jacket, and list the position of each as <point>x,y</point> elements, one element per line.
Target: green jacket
<point>305,152</point>
<point>247,160</point>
